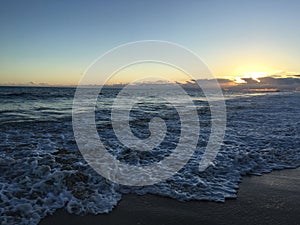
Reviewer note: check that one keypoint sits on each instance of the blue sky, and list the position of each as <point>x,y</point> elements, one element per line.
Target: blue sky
<point>54,41</point>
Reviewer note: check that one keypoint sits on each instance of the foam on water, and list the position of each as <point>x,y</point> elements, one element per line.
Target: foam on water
<point>42,169</point>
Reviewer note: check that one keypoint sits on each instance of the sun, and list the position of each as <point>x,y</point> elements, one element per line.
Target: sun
<point>254,75</point>
<point>252,71</point>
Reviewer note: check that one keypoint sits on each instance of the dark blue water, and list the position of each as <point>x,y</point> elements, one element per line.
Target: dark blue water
<point>42,169</point>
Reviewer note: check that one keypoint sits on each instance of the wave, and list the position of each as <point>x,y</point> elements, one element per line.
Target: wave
<point>42,169</point>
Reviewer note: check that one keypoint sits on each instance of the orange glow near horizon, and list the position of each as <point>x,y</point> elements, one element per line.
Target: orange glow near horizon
<point>65,77</point>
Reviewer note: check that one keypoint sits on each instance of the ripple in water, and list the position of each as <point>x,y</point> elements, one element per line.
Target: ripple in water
<point>42,169</point>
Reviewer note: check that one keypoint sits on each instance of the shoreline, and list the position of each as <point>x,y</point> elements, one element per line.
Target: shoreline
<point>272,198</point>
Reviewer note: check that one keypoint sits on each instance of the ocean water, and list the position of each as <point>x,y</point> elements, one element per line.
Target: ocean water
<point>42,169</point>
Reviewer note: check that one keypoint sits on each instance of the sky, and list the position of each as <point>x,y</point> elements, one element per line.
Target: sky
<point>53,42</point>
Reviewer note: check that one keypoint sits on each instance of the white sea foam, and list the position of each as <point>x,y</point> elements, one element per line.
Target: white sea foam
<point>42,170</point>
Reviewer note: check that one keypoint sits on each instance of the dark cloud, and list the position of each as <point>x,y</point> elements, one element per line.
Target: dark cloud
<point>280,84</point>
<point>264,83</point>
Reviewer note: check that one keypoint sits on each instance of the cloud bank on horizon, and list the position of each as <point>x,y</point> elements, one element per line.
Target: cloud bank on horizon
<point>267,84</point>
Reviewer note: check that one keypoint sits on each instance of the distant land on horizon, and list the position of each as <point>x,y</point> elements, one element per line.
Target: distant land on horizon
<point>269,84</point>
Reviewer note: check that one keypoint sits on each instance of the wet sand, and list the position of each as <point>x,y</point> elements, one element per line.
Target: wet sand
<point>269,199</point>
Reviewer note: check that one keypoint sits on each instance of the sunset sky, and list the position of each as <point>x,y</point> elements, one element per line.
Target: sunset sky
<point>54,42</point>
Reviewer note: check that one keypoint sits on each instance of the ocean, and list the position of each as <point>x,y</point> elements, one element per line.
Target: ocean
<point>42,169</point>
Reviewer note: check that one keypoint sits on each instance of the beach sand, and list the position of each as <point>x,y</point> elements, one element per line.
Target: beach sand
<point>269,199</point>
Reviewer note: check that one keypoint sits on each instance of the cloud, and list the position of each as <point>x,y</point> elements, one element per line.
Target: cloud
<point>285,74</point>
<point>280,84</point>
<point>263,84</point>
